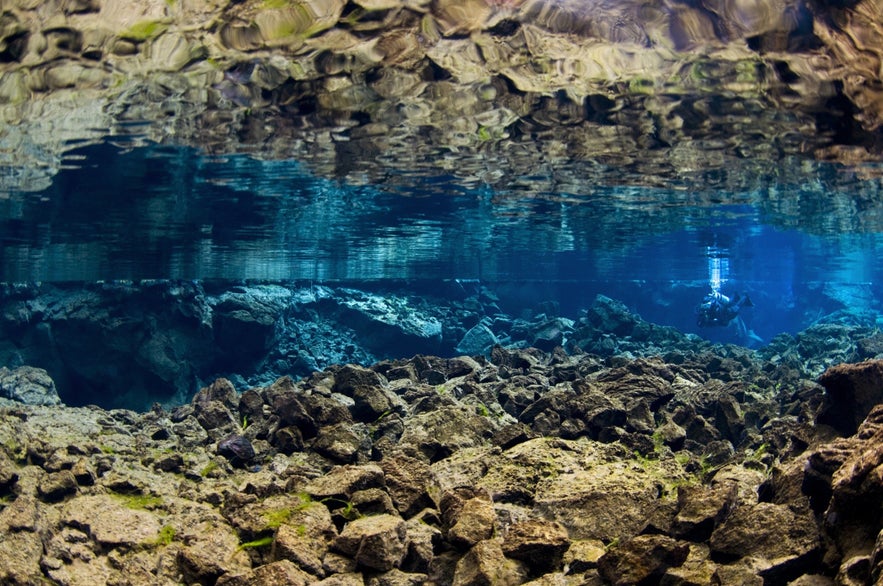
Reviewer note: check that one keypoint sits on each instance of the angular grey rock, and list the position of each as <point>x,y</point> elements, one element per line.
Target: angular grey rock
<point>477,340</point>
<point>29,385</point>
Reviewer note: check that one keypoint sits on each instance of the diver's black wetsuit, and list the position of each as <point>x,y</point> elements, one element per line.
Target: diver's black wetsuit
<point>719,310</point>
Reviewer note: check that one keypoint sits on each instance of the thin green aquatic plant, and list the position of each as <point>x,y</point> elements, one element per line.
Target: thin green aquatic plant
<point>256,543</point>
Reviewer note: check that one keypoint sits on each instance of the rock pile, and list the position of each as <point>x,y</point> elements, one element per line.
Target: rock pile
<point>164,339</point>
<point>529,467</point>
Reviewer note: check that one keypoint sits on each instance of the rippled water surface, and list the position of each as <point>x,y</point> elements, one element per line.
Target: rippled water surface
<point>802,239</point>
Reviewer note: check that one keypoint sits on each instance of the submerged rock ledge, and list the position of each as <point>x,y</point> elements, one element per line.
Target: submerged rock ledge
<point>528,467</point>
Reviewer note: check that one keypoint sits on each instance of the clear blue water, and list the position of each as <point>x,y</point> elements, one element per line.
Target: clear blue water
<point>161,212</point>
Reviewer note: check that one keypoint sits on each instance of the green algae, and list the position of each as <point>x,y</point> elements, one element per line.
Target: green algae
<point>144,30</point>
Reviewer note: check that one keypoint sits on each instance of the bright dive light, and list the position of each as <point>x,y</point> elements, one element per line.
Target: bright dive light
<point>718,268</point>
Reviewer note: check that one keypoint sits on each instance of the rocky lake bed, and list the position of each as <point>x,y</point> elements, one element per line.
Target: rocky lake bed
<point>684,463</point>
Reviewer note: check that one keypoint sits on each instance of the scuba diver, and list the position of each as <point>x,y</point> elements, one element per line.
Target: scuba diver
<point>717,309</point>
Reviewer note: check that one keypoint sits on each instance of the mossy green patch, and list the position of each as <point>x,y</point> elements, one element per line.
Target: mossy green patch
<point>144,30</point>
<point>275,4</point>
<point>208,468</point>
<point>165,536</point>
<point>138,501</point>
<point>277,517</point>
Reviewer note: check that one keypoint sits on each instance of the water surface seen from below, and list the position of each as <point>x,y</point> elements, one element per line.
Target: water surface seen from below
<point>800,238</point>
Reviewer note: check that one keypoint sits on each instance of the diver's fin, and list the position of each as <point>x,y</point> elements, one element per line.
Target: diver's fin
<point>747,301</point>
<point>755,337</point>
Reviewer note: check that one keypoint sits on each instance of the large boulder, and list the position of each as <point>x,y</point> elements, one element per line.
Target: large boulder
<point>29,385</point>
<point>851,390</point>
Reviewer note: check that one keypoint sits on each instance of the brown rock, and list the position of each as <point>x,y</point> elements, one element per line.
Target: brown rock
<point>57,485</point>
<point>211,550</point>
<point>213,414</point>
<point>642,559</point>
<point>351,377</point>
<point>407,479</point>
<point>700,510</point>
<point>281,573</point>
<point>539,544</point>
<point>110,523</point>
<point>20,553</point>
<point>20,515</point>
<point>378,542</point>
<point>485,565</point>
<point>344,443</point>
<point>396,577</point>
<point>220,390</point>
<point>856,488</point>
<point>343,481</point>
<point>475,521</point>
<point>583,554</point>
<point>852,390</point>
<point>789,541</point>
<point>297,544</point>
<point>422,541</point>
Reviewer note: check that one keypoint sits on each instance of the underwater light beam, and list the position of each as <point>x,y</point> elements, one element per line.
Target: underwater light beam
<point>718,268</point>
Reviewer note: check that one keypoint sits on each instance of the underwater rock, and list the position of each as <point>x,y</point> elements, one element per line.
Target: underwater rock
<point>786,542</point>
<point>278,573</point>
<point>474,519</point>
<point>377,542</point>
<point>479,339</point>
<point>485,563</point>
<point>851,390</point>
<point>29,385</point>
<point>237,449</point>
<point>539,544</point>
<point>642,559</point>
<point>853,465</point>
<point>452,499</point>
